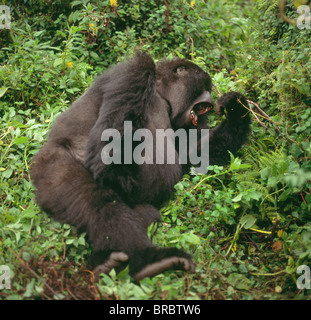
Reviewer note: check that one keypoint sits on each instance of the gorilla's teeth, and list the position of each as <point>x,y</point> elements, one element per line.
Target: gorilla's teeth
<point>194,118</point>
<point>202,108</point>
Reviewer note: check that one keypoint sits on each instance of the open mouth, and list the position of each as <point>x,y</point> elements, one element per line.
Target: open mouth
<point>203,104</point>
<point>199,109</point>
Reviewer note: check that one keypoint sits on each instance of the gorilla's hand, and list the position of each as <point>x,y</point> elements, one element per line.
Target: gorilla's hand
<point>233,105</point>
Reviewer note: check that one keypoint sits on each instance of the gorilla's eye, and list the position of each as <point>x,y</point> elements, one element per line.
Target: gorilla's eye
<point>180,70</point>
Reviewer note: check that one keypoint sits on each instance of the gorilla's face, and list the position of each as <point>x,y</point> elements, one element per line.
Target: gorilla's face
<point>186,89</point>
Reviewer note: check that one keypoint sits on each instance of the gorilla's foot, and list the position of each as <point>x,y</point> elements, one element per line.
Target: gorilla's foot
<point>176,263</point>
<point>115,260</point>
<point>152,261</point>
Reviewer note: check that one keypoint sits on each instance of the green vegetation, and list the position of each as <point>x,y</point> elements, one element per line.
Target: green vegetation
<point>248,225</point>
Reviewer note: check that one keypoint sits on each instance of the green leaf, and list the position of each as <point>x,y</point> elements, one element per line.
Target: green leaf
<point>3,91</point>
<point>247,221</point>
<point>236,164</point>
<point>239,281</point>
<point>81,241</point>
<point>191,238</point>
<point>237,198</point>
<point>20,140</point>
<point>7,173</point>
<point>284,195</point>
<point>70,241</point>
<point>179,186</point>
<point>29,289</point>
<point>76,3</point>
<point>57,62</point>
<point>18,236</point>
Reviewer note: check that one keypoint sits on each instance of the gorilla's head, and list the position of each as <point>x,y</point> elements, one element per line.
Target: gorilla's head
<point>186,88</point>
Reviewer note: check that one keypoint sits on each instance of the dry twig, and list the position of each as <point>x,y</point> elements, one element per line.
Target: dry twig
<point>24,264</point>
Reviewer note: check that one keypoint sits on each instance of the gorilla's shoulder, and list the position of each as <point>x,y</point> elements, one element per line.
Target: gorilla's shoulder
<point>133,72</point>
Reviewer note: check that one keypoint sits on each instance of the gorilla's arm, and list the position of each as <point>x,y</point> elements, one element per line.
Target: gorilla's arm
<point>129,93</point>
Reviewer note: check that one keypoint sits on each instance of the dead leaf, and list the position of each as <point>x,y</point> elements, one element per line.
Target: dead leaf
<point>277,246</point>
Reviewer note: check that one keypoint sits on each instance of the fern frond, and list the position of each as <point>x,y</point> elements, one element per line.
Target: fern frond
<point>267,5</point>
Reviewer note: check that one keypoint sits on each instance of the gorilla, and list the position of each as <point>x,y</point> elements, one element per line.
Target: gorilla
<point>114,203</point>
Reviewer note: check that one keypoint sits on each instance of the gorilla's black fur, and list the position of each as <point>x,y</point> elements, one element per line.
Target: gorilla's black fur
<point>114,204</point>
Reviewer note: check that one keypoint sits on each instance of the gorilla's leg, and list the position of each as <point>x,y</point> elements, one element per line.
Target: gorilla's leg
<point>146,262</point>
<point>148,214</point>
<point>173,262</point>
<point>143,263</point>
<point>104,262</point>
<point>120,228</point>
<point>67,191</point>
